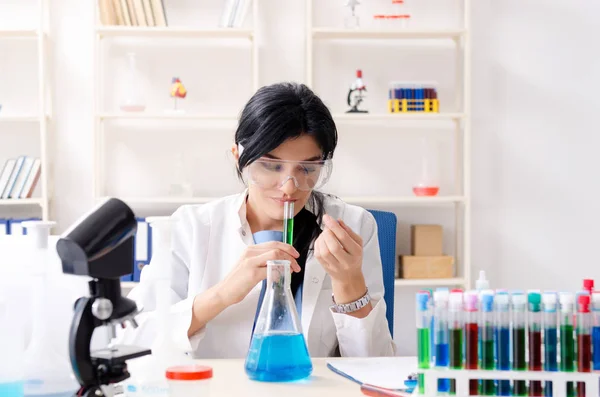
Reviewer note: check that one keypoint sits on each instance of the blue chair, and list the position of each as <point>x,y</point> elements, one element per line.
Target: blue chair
<point>386,231</point>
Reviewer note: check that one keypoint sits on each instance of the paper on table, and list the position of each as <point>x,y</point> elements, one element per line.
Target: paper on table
<point>386,372</point>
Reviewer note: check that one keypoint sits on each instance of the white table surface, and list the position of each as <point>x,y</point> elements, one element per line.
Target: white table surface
<point>229,379</point>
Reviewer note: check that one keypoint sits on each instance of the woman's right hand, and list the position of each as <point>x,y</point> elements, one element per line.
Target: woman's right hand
<point>252,268</point>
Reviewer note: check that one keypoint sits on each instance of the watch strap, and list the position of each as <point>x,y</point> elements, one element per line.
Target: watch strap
<point>352,306</point>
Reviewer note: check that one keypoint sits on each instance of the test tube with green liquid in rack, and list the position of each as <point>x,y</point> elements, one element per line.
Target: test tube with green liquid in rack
<point>486,330</point>
<point>455,325</point>
<point>288,222</point>
<point>567,337</point>
<point>423,336</point>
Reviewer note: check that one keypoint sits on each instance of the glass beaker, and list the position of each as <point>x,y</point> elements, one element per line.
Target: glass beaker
<point>278,351</point>
<point>133,98</point>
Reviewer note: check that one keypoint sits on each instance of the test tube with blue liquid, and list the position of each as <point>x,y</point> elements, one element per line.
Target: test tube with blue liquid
<point>502,322</point>
<point>441,335</point>
<point>549,324</point>
<point>596,331</point>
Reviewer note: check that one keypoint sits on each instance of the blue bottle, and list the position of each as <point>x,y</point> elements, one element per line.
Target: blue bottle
<point>278,351</point>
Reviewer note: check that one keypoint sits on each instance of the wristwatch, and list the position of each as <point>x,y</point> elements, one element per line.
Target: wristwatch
<point>352,306</point>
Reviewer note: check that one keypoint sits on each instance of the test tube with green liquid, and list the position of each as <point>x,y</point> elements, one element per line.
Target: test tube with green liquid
<point>567,337</point>
<point>519,362</point>
<point>455,326</point>
<point>288,222</point>
<point>423,336</point>
<point>486,331</point>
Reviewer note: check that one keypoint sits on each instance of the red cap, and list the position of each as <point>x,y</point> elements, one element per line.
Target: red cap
<point>588,284</point>
<point>189,372</point>
<point>584,304</point>
<point>456,290</point>
<point>359,73</point>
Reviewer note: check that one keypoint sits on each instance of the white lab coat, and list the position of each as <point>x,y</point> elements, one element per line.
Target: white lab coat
<point>207,242</point>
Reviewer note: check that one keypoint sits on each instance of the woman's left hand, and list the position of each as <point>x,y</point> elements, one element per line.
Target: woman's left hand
<point>340,250</point>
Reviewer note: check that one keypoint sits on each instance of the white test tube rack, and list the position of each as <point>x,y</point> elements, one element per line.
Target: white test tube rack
<point>463,376</point>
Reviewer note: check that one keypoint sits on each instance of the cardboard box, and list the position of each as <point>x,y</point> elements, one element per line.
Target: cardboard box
<point>412,267</point>
<point>427,240</point>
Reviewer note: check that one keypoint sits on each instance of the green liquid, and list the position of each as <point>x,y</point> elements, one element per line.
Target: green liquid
<point>288,232</point>
<point>423,343</point>
<point>456,354</point>
<point>567,354</point>
<point>519,363</point>
<point>488,386</point>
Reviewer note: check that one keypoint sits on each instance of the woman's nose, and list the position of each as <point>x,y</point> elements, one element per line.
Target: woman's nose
<point>289,186</point>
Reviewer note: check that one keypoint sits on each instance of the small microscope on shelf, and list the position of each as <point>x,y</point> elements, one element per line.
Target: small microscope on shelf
<point>100,246</point>
<point>356,94</point>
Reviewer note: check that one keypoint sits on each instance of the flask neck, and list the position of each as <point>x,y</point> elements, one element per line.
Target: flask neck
<point>279,276</point>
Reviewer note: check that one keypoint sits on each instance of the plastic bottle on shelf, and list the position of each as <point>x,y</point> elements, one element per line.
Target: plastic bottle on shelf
<point>148,373</point>
<point>133,100</point>
<point>428,182</point>
<point>47,373</point>
<point>482,283</point>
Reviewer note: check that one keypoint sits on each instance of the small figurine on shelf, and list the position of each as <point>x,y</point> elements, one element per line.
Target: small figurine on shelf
<point>351,21</point>
<point>177,91</point>
<point>356,94</point>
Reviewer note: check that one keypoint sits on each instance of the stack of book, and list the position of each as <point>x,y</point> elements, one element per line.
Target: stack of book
<point>132,12</point>
<point>19,177</point>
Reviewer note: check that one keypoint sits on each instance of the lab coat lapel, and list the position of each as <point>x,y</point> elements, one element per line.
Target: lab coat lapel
<point>314,274</point>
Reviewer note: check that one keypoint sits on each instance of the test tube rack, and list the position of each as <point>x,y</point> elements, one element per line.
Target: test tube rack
<point>463,376</point>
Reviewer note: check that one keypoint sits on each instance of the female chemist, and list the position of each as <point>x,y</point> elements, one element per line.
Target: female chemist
<point>283,148</point>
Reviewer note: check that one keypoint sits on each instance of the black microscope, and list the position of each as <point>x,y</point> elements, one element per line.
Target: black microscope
<point>100,246</point>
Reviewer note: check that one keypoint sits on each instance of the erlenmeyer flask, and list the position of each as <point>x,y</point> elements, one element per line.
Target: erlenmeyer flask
<point>133,99</point>
<point>278,351</point>
<point>428,183</point>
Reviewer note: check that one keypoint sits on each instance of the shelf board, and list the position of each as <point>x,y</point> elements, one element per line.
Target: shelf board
<point>165,116</point>
<point>164,200</point>
<point>398,117</point>
<point>331,33</point>
<point>14,202</point>
<point>365,200</point>
<point>18,33</point>
<point>403,200</point>
<point>24,119</point>
<point>124,31</point>
<point>399,282</point>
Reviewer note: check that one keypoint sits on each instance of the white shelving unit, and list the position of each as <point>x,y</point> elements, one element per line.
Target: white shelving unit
<point>147,35</point>
<point>462,122</point>
<point>42,115</point>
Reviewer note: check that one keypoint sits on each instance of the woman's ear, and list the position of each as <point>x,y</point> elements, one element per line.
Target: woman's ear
<point>235,152</point>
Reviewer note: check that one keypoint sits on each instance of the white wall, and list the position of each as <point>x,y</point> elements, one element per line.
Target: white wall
<point>534,144</point>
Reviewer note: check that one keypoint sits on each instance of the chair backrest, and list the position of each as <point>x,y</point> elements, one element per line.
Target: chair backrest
<point>386,231</point>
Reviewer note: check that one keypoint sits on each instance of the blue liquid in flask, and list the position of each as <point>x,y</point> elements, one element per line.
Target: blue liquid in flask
<point>11,389</point>
<point>278,357</point>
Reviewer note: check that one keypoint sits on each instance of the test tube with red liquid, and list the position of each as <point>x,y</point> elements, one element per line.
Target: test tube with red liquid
<point>471,302</point>
<point>584,340</point>
<point>535,341</point>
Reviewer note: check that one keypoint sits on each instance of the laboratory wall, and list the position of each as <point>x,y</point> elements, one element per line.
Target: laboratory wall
<point>534,144</point>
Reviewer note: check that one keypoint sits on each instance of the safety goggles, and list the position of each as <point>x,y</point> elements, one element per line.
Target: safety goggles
<point>271,173</point>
